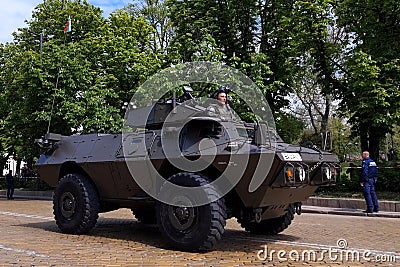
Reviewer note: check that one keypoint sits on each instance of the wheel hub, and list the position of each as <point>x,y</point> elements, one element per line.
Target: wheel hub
<point>182,218</point>
<point>182,213</point>
<point>68,205</point>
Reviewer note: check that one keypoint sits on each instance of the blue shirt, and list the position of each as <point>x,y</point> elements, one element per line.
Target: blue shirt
<point>369,170</point>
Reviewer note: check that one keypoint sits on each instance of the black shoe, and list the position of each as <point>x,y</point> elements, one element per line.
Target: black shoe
<point>367,211</point>
<point>376,210</point>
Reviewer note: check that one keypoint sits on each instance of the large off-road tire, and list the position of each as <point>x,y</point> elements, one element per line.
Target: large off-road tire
<point>192,228</point>
<point>271,226</point>
<point>75,204</point>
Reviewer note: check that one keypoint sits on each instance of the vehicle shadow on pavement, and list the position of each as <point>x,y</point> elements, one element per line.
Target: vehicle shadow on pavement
<point>48,226</point>
<point>240,240</point>
<point>149,235</point>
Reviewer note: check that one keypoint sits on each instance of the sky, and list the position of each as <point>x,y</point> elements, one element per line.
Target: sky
<point>15,12</point>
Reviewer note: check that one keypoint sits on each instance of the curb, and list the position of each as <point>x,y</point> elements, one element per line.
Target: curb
<point>348,212</point>
<point>350,203</point>
<point>34,195</point>
<point>349,207</point>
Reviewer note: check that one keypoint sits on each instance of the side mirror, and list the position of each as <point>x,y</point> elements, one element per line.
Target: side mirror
<point>259,137</point>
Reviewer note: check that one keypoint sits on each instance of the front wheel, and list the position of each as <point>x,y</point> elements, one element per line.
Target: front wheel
<point>192,228</point>
<point>75,204</point>
<point>271,226</point>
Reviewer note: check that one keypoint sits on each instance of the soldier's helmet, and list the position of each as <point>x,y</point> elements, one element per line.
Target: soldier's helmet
<point>221,89</point>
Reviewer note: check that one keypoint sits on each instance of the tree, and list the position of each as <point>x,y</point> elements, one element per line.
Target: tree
<point>309,101</point>
<point>129,55</point>
<point>233,26</point>
<point>319,42</point>
<point>80,80</point>
<point>275,42</point>
<point>155,12</point>
<point>6,150</point>
<point>372,96</point>
<point>289,127</point>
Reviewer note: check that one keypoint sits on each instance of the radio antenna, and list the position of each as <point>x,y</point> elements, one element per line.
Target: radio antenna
<point>67,29</point>
<point>54,98</point>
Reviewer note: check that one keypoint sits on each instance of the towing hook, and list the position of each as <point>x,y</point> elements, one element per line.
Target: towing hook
<point>297,208</point>
<point>257,215</point>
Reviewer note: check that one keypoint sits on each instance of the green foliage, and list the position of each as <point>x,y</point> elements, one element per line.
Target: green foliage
<point>79,81</point>
<point>307,138</point>
<point>349,178</point>
<point>289,127</point>
<point>156,14</point>
<point>388,179</point>
<point>372,68</point>
<point>229,32</point>
<point>366,93</point>
<point>33,184</point>
<point>348,49</point>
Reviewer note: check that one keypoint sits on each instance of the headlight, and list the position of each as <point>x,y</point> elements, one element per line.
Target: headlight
<point>327,172</point>
<point>301,173</point>
<point>295,173</point>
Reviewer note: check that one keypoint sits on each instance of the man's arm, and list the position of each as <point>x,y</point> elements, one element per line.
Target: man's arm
<point>364,172</point>
<point>365,168</point>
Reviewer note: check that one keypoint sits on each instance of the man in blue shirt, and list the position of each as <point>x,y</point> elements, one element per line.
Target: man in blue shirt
<point>369,176</point>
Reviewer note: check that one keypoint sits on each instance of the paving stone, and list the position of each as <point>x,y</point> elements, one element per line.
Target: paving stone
<point>30,238</point>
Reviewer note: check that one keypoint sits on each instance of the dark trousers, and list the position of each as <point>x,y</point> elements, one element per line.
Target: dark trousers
<point>10,191</point>
<point>370,195</point>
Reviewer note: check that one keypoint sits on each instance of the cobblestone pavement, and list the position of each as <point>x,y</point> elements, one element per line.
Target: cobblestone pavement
<point>30,237</point>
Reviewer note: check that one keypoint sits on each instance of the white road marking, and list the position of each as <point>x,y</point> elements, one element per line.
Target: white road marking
<point>23,251</point>
<point>26,215</point>
<point>309,224</point>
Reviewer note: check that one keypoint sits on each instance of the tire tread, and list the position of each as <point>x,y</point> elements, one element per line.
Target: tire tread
<point>90,207</point>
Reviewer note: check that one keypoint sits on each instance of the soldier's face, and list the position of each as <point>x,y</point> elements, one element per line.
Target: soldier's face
<point>221,98</point>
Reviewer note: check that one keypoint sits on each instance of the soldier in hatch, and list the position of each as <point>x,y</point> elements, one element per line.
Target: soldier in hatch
<point>222,107</point>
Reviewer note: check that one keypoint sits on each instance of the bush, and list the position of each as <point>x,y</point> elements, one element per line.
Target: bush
<point>388,179</point>
<point>33,184</point>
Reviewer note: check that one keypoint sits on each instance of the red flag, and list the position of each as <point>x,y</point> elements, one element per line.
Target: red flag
<point>68,26</point>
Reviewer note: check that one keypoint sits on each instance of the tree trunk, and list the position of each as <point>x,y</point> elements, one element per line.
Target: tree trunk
<point>364,140</point>
<point>374,141</point>
<point>18,167</point>
<point>370,138</point>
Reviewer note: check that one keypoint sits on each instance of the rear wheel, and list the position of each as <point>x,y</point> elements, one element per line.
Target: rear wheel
<point>75,204</point>
<point>191,228</point>
<point>271,226</point>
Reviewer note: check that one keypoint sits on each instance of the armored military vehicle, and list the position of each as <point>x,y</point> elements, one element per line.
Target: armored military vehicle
<point>241,170</point>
